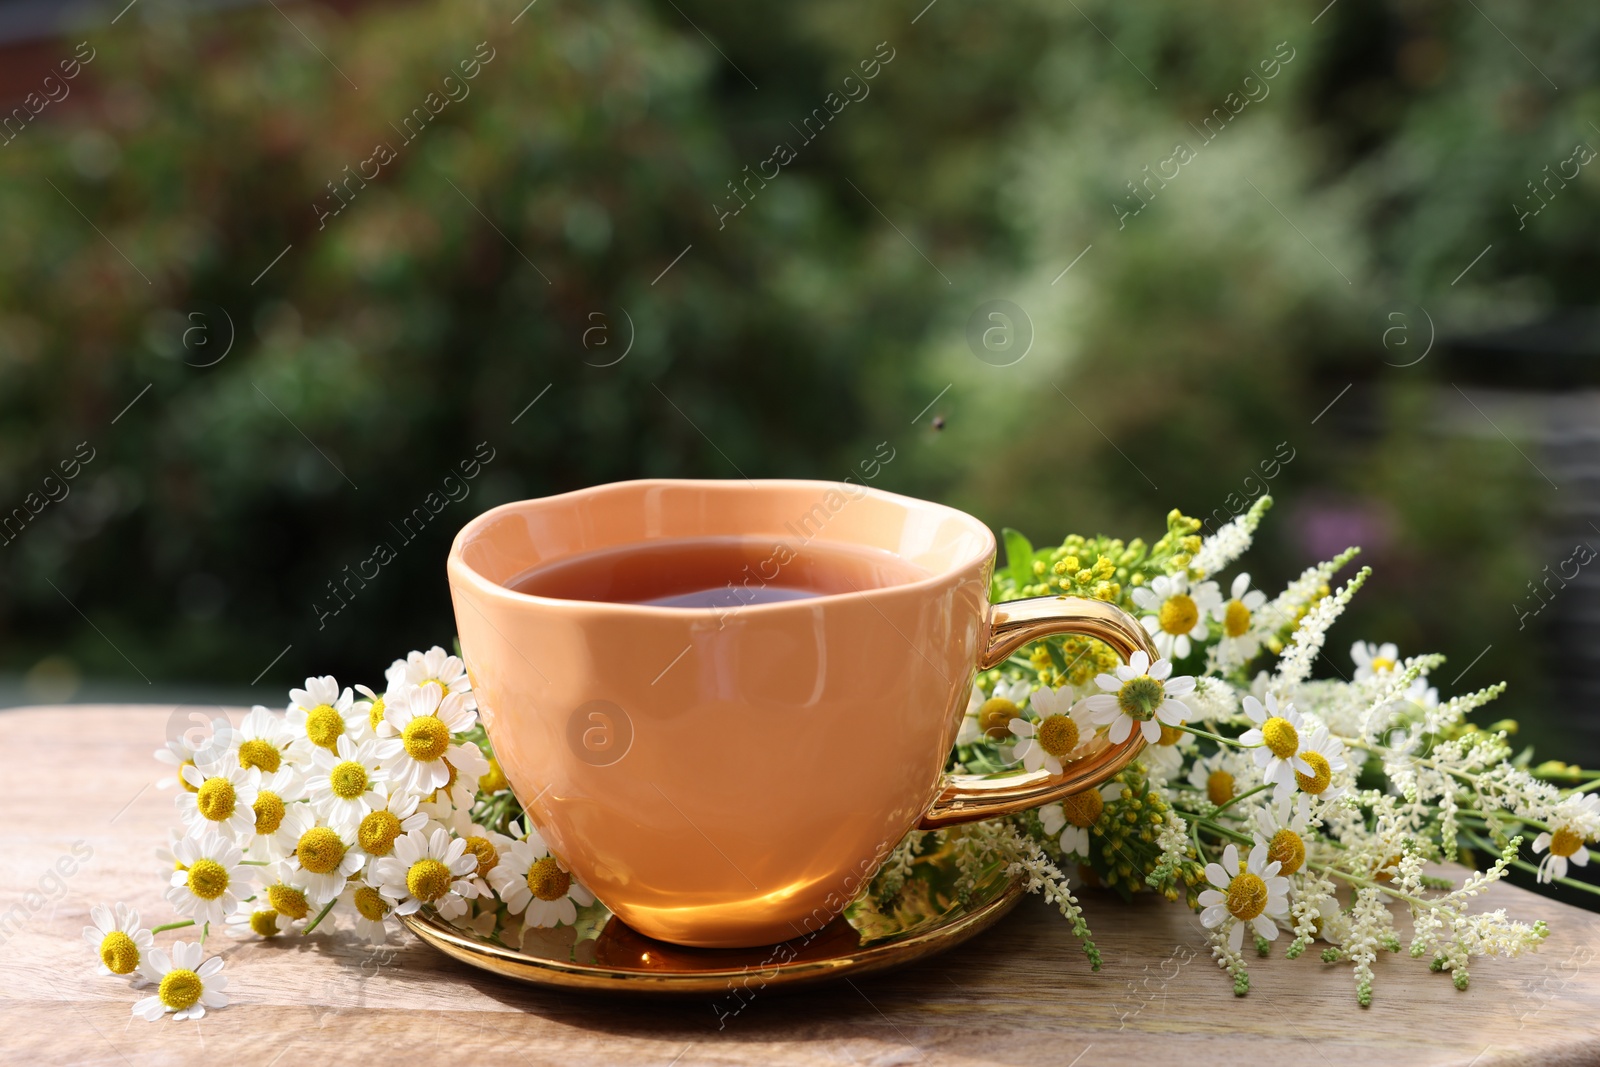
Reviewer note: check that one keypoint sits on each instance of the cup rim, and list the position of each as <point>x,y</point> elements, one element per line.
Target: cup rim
<point>457,566</point>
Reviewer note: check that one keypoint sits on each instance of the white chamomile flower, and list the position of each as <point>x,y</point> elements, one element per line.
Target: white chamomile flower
<point>266,742</point>
<point>343,784</point>
<point>466,764</point>
<point>533,883</point>
<point>425,722</point>
<point>427,869</point>
<point>485,844</point>
<point>1372,659</point>
<point>249,922</point>
<point>1074,816</point>
<point>989,715</point>
<point>118,939</point>
<point>370,910</point>
<point>1177,612</point>
<point>223,798</point>
<point>324,855</point>
<point>184,750</point>
<point>1282,827</point>
<point>388,821</point>
<point>1242,634</point>
<point>1575,820</point>
<point>373,705</point>
<point>1223,775</point>
<point>184,985</point>
<point>1063,729</point>
<point>1163,760</point>
<point>212,880</point>
<point>286,893</point>
<point>1275,742</point>
<point>1140,693</point>
<point>273,800</point>
<point>1324,754</point>
<point>1251,895</point>
<point>322,713</point>
<point>441,670</point>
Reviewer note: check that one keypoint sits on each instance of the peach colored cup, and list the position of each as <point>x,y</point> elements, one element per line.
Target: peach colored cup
<point>730,778</point>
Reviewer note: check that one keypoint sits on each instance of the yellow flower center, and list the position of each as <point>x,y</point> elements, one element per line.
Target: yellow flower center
<point>1169,735</point>
<point>1315,784</point>
<point>320,850</point>
<point>1235,619</point>
<point>1083,809</point>
<point>1140,696</point>
<point>1247,896</point>
<point>262,754</point>
<point>370,904</point>
<point>287,900</point>
<point>377,832</point>
<point>488,855</point>
<point>180,989</point>
<point>1565,842</point>
<point>119,953</point>
<point>375,714</point>
<point>1219,787</point>
<point>1178,614</point>
<point>428,880</point>
<point>187,788</point>
<point>1058,735</point>
<point>269,812</point>
<point>208,879</point>
<point>426,738</point>
<point>348,780</point>
<point>494,781</point>
<point>216,799</point>
<point>264,923</point>
<point>1288,850</point>
<point>994,718</point>
<point>1382,663</point>
<point>324,726</point>
<point>1281,738</point>
<point>547,880</point>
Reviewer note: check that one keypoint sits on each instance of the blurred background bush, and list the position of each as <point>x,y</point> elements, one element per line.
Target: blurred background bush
<point>1349,286</point>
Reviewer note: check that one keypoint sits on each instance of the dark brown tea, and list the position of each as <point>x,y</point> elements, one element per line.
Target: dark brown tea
<point>716,572</point>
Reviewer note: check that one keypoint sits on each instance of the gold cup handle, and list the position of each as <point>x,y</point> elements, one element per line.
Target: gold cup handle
<point>970,797</point>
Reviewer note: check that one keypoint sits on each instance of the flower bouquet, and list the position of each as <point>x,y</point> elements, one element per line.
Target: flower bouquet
<point>1284,809</point>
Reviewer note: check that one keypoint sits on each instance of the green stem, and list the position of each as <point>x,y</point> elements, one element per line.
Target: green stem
<point>1224,806</point>
<point>1518,861</point>
<point>256,863</point>
<point>1209,736</point>
<point>320,916</point>
<point>171,926</point>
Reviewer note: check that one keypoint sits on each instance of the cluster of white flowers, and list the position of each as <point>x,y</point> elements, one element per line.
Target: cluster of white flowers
<point>354,804</point>
<point>1246,802</point>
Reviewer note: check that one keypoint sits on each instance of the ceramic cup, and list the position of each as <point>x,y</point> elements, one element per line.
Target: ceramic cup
<point>731,778</point>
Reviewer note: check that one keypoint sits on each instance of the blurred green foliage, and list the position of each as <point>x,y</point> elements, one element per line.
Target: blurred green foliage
<point>1187,342</point>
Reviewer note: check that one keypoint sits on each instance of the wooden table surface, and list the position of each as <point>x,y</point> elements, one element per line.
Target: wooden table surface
<point>81,777</point>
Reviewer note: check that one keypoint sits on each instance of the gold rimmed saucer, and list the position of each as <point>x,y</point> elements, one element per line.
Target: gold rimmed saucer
<point>932,912</point>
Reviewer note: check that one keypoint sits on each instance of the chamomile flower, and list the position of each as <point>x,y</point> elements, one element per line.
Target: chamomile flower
<point>1574,819</point>
<point>1275,742</point>
<point>373,705</point>
<point>466,764</point>
<point>1242,631</point>
<point>1223,775</point>
<point>1324,754</point>
<point>1074,815</point>
<point>118,939</point>
<point>265,741</point>
<point>1140,693</point>
<point>343,786</point>
<point>223,797</point>
<point>388,821</point>
<point>370,909</point>
<point>441,670</point>
<point>1063,729</point>
<point>533,883</point>
<point>1282,827</point>
<point>1164,759</point>
<point>427,869</point>
<point>1253,895</point>
<point>182,751</point>
<point>212,880</point>
<point>286,894</point>
<point>324,855</point>
<point>425,722</point>
<point>185,986</point>
<point>322,713</point>
<point>1177,612</point>
<point>250,921</point>
<point>1373,659</point>
<point>989,715</point>
<point>486,844</point>
<point>272,803</point>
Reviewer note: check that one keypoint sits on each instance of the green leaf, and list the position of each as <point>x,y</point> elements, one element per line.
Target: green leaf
<point>1019,556</point>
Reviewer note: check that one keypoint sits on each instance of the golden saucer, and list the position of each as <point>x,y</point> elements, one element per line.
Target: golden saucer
<point>600,952</point>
